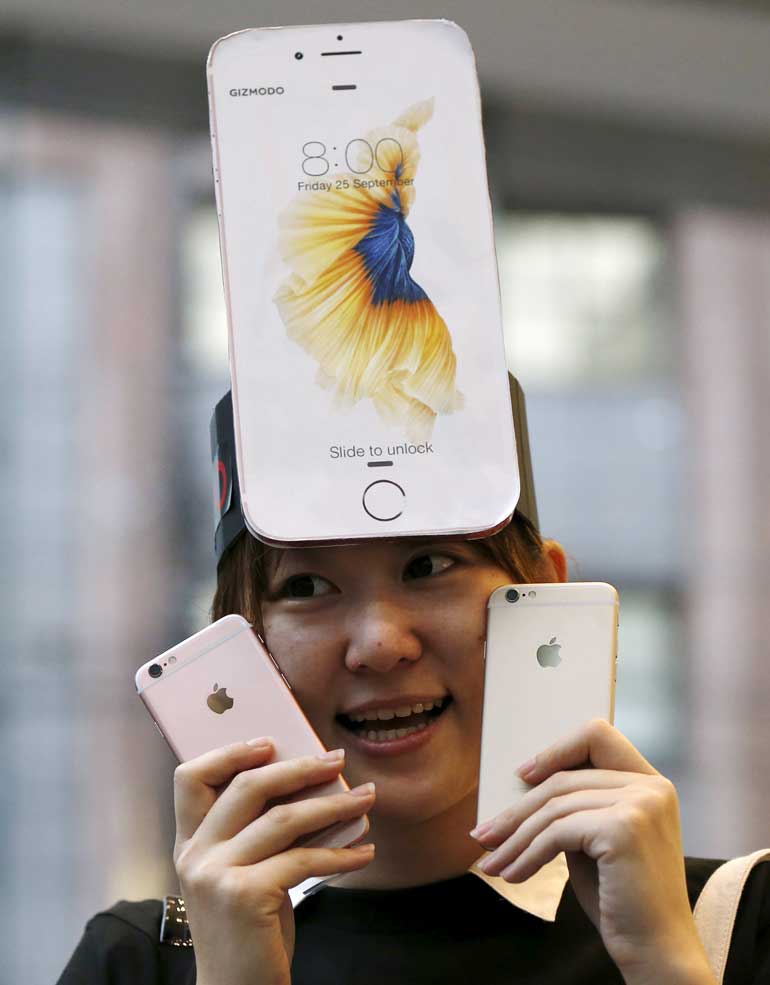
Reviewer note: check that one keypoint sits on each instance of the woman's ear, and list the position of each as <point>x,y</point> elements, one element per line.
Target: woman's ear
<point>556,559</point>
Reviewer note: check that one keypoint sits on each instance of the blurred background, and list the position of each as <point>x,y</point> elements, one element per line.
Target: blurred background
<point>628,147</point>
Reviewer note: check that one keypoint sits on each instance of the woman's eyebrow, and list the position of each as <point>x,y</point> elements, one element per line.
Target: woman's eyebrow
<point>436,542</point>
<point>304,560</point>
<point>447,545</point>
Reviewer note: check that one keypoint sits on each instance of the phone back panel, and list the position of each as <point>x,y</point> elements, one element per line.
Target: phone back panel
<point>550,667</point>
<point>368,401</point>
<point>226,665</point>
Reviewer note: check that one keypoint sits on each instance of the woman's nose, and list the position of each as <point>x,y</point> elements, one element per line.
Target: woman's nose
<point>381,637</point>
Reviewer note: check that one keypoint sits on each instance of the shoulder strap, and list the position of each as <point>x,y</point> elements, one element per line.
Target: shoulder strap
<point>717,906</point>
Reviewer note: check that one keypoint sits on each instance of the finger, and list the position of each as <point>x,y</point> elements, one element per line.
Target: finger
<point>558,807</point>
<point>574,833</point>
<point>597,744</point>
<point>288,869</point>
<point>248,793</point>
<point>556,785</point>
<point>196,782</point>
<point>279,827</point>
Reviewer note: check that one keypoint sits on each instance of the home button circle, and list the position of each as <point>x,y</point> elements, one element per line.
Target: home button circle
<point>384,500</point>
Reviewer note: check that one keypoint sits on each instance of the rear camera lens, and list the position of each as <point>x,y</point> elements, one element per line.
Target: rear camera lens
<point>298,55</point>
<point>155,670</point>
<point>512,595</point>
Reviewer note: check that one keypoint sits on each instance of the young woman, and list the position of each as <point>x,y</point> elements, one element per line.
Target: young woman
<point>392,628</point>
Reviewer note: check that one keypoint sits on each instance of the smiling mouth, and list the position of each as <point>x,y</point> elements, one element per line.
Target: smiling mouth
<point>394,728</point>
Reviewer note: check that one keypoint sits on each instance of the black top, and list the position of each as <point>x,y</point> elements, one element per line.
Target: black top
<point>448,932</point>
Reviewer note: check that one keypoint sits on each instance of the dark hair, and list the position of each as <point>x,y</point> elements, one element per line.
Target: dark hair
<point>243,571</point>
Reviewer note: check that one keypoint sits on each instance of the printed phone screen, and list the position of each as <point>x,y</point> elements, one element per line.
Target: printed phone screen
<point>357,236</point>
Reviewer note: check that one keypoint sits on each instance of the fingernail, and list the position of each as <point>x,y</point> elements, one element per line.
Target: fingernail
<point>330,756</point>
<point>363,790</point>
<point>486,863</point>
<point>527,767</point>
<point>263,740</point>
<point>482,829</point>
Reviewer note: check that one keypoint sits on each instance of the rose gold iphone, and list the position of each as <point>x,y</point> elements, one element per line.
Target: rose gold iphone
<point>550,656</point>
<point>222,685</point>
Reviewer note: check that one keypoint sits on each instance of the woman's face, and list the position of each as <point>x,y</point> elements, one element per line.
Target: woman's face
<point>380,627</point>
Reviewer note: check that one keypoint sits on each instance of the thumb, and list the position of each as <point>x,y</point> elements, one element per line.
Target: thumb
<point>597,744</point>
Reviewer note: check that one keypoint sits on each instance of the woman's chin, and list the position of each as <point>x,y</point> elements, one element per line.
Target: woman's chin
<point>418,776</point>
<point>417,802</point>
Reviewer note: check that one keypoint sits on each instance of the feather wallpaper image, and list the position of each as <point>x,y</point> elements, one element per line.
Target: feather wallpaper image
<point>350,300</point>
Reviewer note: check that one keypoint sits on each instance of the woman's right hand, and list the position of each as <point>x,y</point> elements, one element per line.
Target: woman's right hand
<point>235,861</point>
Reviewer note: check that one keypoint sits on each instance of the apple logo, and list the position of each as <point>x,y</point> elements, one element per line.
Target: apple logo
<point>548,653</point>
<point>219,700</point>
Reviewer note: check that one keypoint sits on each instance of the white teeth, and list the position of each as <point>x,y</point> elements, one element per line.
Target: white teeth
<point>386,714</point>
<point>399,733</point>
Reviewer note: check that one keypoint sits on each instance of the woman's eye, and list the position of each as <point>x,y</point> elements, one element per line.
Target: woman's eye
<point>305,587</point>
<point>428,564</point>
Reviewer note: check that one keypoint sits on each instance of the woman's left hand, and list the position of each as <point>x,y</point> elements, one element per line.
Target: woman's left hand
<point>596,798</point>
